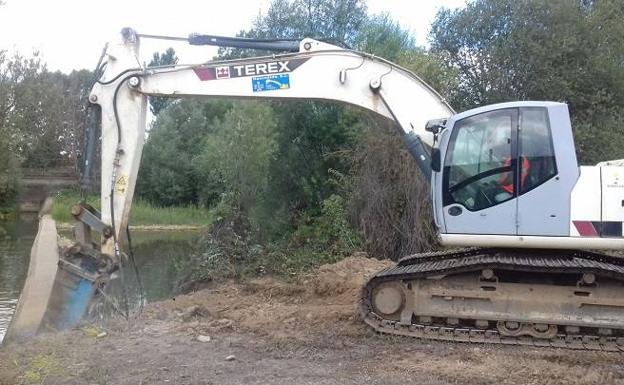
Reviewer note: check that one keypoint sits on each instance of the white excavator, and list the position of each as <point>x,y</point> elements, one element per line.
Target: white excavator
<point>505,184</point>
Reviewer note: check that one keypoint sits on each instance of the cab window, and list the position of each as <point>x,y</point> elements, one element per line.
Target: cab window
<point>478,170</point>
<point>536,149</point>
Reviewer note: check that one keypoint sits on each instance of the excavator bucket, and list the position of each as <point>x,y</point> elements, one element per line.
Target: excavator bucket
<point>63,277</point>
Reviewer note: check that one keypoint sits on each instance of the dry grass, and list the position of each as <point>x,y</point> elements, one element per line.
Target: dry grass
<point>390,201</point>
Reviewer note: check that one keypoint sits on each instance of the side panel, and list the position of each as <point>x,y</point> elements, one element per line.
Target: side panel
<point>598,203</point>
<point>586,200</point>
<point>612,201</point>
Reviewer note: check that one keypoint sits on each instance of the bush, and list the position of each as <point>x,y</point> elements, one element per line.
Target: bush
<point>229,248</point>
<point>8,177</point>
<point>390,201</point>
<point>599,138</point>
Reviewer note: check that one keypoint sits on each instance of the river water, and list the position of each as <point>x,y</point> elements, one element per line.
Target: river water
<point>158,254</point>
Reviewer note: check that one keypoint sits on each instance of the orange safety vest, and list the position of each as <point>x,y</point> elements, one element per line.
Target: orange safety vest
<point>504,179</point>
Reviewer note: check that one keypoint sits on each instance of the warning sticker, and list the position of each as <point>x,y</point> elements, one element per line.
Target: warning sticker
<point>121,183</point>
<point>270,82</point>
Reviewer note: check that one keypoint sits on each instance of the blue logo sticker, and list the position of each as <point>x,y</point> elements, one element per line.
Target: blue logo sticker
<point>270,82</point>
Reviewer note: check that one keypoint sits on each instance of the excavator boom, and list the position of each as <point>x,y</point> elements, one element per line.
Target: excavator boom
<point>319,71</point>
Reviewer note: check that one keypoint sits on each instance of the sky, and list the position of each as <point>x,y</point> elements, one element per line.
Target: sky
<point>70,34</point>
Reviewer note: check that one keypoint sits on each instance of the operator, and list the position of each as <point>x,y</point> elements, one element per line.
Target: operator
<point>506,179</point>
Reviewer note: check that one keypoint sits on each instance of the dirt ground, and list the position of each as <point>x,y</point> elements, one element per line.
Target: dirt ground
<point>272,332</point>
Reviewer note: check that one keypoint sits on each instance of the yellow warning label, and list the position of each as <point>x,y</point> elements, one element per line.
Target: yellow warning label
<point>121,183</point>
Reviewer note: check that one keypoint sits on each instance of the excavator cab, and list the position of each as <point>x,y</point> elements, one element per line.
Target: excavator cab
<point>509,176</point>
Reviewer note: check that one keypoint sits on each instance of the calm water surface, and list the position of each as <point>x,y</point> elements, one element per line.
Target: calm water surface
<point>16,238</point>
<point>158,255</point>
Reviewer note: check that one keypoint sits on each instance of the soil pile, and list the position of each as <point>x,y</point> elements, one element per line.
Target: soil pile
<point>322,303</point>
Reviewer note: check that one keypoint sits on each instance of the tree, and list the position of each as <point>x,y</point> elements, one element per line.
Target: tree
<point>239,153</point>
<point>17,76</point>
<point>431,68</point>
<point>53,119</point>
<point>383,36</point>
<point>542,50</point>
<point>169,57</point>
<point>167,176</point>
<point>335,21</point>
<point>8,173</point>
<point>307,133</point>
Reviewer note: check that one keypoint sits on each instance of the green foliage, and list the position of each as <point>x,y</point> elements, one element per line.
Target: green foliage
<point>432,69</point>
<point>329,19</point>
<point>311,136</point>
<point>336,21</point>
<point>42,114</point>
<point>599,138</point>
<point>143,213</point>
<point>17,74</point>
<point>329,233</point>
<point>238,154</point>
<point>167,176</point>
<point>558,50</point>
<point>383,36</point>
<point>8,175</point>
<point>53,119</point>
<point>169,57</point>
<point>228,249</point>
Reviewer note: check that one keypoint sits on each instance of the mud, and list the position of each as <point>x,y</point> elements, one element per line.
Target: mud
<point>304,331</point>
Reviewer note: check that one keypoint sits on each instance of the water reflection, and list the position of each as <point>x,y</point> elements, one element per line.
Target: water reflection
<point>158,254</point>
<point>16,238</point>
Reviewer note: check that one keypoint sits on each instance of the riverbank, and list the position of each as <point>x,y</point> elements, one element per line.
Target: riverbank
<point>270,331</point>
<point>143,216</point>
<point>68,226</point>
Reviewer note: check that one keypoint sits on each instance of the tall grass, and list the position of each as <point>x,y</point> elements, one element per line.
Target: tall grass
<point>143,213</point>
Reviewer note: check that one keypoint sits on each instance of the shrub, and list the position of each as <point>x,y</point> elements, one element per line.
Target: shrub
<point>390,201</point>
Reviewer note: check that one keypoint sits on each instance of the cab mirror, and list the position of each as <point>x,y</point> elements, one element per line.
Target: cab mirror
<point>435,126</point>
<point>436,160</point>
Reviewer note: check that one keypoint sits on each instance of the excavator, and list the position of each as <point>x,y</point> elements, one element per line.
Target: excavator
<point>529,237</point>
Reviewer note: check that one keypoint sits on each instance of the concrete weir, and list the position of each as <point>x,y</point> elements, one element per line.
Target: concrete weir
<point>35,296</point>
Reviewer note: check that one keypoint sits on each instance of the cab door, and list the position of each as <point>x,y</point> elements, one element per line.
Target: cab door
<point>480,168</point>
<point>543,197</point>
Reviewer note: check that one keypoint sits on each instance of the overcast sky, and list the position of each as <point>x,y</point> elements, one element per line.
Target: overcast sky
<point>70,34</point>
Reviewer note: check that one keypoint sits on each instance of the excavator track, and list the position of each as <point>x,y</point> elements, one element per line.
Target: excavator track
<point>548,298</point>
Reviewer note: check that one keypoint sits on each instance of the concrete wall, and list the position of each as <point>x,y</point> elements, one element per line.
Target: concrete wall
<point>37,183</point>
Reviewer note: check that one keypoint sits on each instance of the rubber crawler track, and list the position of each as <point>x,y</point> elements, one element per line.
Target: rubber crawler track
<point>458,261</point>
